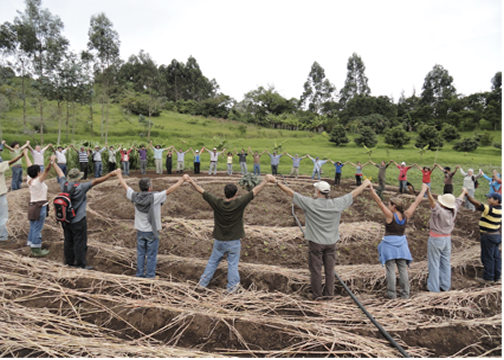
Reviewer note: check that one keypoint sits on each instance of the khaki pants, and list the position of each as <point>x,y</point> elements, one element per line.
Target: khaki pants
<point>180,165</point>
<point>159,166</point>
<point>295,170</point>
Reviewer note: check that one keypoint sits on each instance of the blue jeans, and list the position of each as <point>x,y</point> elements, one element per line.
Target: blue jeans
<point>63,168</point>
<point>438,262</point>
<point>17,177</point>
<point>220,248</point>
<point>4,216</point>
<point>490,256</point>
<point>243,168</point>
<point>428,184</point>
<point>403,185</point>
<point>316,172</point>
<point>257,168</point>
<point>98,167</point>
<point>35,234</point>
<point>147,249</point>
<point>125,166</point>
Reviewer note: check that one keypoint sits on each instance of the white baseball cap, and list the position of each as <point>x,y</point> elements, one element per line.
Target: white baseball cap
<point>323,187</point>
<point>215,149</point>
<point>197,151</point>
<point>403,163</point>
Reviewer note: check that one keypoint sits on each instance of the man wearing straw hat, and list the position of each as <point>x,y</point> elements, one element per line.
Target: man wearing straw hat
<point>75,232</point>
<point>322,217</point>
<point>228,230</point>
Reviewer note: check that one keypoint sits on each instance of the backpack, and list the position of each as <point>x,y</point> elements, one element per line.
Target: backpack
<point>63,208</point>
<point>476,184</point>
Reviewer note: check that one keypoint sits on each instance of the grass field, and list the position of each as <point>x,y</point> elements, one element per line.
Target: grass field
<point>184,131</point>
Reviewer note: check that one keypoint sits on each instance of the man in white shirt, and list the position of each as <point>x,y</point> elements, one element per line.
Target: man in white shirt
<point>61,159</point>
<point>38,155</point>
<point>213,159</point>
<point>180,159</point>
<point>97,160</point>
<point>147,222</point>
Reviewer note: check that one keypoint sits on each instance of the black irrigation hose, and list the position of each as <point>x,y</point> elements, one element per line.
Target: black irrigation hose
<point>375,323</point>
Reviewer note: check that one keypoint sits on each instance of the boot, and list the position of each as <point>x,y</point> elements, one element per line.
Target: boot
<point>38,252</point>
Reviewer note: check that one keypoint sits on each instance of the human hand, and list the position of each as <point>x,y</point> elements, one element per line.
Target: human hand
<point>464,191</point>
<point>186,177</point>
<point>425,187</point>
<point>3,141</point>
<point>269,178</point>
<point>52,158</point>
<point>366,182</point>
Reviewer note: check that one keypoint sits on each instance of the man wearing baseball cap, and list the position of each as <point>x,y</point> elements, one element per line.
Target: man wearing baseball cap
<point>490,236</point>
<point>75,232</point>
<point>322,218</point>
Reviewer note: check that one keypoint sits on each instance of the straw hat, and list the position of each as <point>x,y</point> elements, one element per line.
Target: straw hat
<point>447,200</point>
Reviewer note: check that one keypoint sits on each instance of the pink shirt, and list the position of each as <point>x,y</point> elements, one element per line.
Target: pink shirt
<point>402,172</point>
<point>426,176</point>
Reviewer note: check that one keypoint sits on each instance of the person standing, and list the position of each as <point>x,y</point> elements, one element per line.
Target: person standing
<point>257,161</point>
<point>242,159</point>
<point>228,230</point>
<point>393,249</point>
<point>229,163</point>
<point>169,162</point>
<point>147,222</point>
<point>337,166</point>
<point>125,160</point>
<point>441,224</point>
<point>403,177</point>
<point>197,161</point>
<point>61,158</point>
<point>142,152</point>
<point>275,161</point>
<point>112,161</point>
<point>158,158</point>
<point>358,171</point>
<point>37,208</point>
<point>214,155</point>
<point>493,182</point>
<point>317,166</point>
<point>490,237</point>
<point>75,232</point>
<point>382,168</point>
<point>4,206</point>
<point>322,218</point>
<point>97,160</point>
<point>448,178</point>
<point>180,160</point>
<point>83,160</point>
<point>17,170</point>
<point>38,155</point>
<point>426,175</point>
<point>296,160</point>
<point>469,184</point>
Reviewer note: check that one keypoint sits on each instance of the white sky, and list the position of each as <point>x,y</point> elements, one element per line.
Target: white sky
<point>246,44</point>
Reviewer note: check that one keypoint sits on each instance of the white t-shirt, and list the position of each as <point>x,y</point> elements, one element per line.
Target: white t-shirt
<point>214,156</point>
<point>4,166</point>
<point>38,190</point>
<point>38,157</point>
<point>141,219</point>
<point>60,156</point>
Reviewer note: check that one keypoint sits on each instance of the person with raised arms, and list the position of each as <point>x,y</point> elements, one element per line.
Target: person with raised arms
<point>448,178</point>
<point>142,153</point>
<point>4,206</point>
<point>296,160</point>
<point>197,161</point>
<point>147,222</point>
<point>112,161</point>
<point>257,161</point>
<point>214,156</point>
<point>97,160</point>
<point>275,161</point>
<point>322,219</point>
<point>426,175</point>
<point>470,185</point>
<point>83,160</point>
<point>125,159</point>
<point>358,171</point>
<point>493,182</point>
<point>403,177</point>
<point>158,157</point>
<point>393,249</point>
<point>38,155</point>
<point>228,229</point>
<point>242,159</point>
<point>382,168</point>
<point>338,165</point>
<point>317,166</point>
<point>17,169</point>
<point>61,159</point>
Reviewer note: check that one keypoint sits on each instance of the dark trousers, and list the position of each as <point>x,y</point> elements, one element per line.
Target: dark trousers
<point>274,169</point>
<point>196,167</point>
<point>321,255</point>
<point>84,167</point>
<point>358,180</point>
<point>75,244</point>
<point>168,167</point>
<point>111,166</point>
<point>490,256</point>
<point>337,178</point>
<point>448,189</point>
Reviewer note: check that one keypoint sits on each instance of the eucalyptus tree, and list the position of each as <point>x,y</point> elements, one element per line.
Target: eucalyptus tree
<point>317,90</point>
<point>104,43</point>
<point>356,82</point>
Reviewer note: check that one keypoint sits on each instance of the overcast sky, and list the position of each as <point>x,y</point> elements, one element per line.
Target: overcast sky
<point>246,44</point>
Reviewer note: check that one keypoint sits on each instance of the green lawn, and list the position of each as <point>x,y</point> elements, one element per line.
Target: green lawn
<point>183,131</point>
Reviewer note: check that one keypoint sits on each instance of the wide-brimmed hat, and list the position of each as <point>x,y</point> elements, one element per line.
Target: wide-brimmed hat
<point>75,175</point>
<point>447,200</point>
<point>323,187</point>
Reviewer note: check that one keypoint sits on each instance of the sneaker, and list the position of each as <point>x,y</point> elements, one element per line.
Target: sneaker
<point>38,252</point>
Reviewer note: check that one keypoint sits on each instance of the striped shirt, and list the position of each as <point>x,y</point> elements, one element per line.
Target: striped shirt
<point>491,218</point>
<point>83,156</point>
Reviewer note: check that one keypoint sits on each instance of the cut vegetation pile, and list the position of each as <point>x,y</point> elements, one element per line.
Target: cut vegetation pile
<point>48,309</point>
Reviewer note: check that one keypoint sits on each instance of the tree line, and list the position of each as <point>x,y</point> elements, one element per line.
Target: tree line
<point>40,71</point>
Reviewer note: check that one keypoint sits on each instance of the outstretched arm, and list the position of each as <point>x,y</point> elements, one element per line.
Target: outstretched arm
<point>282,186</point>
<point>7,146</point>
<point>27,158</point>
<point>25,145</point>
<point>121,180</point>
<point>361,188</point>
<point>16,158</point>
<point>55,166</point>
<point>195,186</point>
<point>419,168</point>
<point>256,190</point>
<point>175,186</point>
<point>104,178</point>
<point>409,213</point>
<point>432,203</point>
<point>385,210</point>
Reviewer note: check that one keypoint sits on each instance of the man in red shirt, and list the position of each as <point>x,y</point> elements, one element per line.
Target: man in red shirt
<point>403,179</point>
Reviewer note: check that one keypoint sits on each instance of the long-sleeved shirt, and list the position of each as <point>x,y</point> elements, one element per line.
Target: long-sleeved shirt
<point>112,156</point>
<point>494,184</point>
<point>317,164</point>
<point>97,154</point>
<point>469,180</point>
<point>125,155</point>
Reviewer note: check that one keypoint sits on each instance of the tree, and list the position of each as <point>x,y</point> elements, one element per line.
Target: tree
<point>466,145</point>
<point>367,137</point>
<point>397,137</point>
<point>429,135</point>
<point>39,36</point>
<point>449,132</point>
<point>497,81</point>
<point>375,121</point>
<point>317,90</point>
<point>263,102</point>
<point>437,87</point>
<point>356,82</point>
<point>104,41</point>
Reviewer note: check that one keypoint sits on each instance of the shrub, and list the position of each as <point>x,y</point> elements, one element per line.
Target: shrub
<point>497,146</point>
<point>486,139</point>
<point>250,181</point>
<point>428,135</point>
<point>367,137</point>
<point>375,121</point>
<point>397,137</point>
<point>338,135</point>
<point>450,133</point>
<point>466,144</point>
